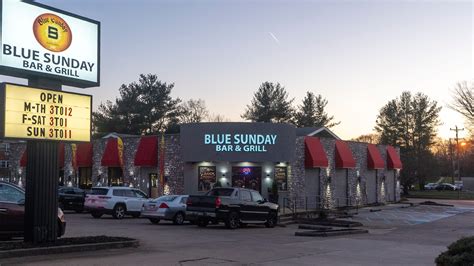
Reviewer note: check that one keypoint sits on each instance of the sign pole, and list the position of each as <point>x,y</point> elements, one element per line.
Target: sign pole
<point>42,173</point>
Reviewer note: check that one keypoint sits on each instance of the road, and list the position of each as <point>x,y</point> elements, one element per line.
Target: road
<point>397,236</point>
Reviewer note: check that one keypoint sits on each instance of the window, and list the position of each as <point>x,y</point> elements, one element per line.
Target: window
<point>129,193</point>
<point>118,193</point>
<point>11,194</point>
<point>167,198</point>
<point>140,194</point>
<point>225,192</point>
<point>245,195</point>
<point>281,178</point>
<point>206,177</point>
<point>5,147</point>
<point>100,191</point>
<point>4,164</point>
<point>256,197</point>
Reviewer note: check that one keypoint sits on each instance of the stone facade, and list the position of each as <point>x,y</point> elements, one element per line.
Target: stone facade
<point>174,165</point>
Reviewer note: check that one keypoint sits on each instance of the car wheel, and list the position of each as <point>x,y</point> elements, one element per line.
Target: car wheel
<point>119,211</point>
<point>202,222</point>
<point>232,221</point>
<point>96,214</point>
<point>271,220</point>
<point>154,220</point>
<point>178,218</point>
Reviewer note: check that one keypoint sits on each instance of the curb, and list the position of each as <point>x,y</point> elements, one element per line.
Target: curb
<point>67,249</point>
<point>332,233</point>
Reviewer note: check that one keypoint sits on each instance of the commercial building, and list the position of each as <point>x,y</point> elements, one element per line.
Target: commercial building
<point>304,166</point>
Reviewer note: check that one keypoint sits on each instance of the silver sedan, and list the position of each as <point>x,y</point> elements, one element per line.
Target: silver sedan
<point>170,207</point>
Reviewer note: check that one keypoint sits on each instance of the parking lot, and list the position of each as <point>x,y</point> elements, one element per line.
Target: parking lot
<point>397,236</point>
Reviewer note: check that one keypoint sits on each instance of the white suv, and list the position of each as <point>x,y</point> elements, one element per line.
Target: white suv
<point>117,201</point>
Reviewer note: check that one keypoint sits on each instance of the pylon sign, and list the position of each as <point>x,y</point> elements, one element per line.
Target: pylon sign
<point>41,41</point>
<point>32,113</point>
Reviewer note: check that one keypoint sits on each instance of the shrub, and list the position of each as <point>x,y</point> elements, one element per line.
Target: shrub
<point>460,252</point>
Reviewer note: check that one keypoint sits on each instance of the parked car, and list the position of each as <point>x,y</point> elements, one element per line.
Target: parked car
<point>459,185</point>
<point>12,212</point>
<point>446,186</point>
<point>71,198</point>
<point>171,207</point>
<point>431,186</point>
<point>117,201</point>
<point>233,206</point>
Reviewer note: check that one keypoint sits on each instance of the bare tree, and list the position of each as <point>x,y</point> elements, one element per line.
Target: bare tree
<point>193,111</point>
<point>218,118</point>
<point>372,138</point>
<point>463,101</point>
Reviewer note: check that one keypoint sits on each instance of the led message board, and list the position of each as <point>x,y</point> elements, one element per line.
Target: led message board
<point>31,113</point>
<point>41,41</point>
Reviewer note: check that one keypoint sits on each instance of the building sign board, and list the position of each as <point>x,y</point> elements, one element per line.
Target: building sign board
<point>252,142</point>
<point>31,113</point>
<point>41,41</point>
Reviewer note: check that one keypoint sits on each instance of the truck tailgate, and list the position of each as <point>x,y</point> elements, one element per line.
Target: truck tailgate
<point>201,203</point>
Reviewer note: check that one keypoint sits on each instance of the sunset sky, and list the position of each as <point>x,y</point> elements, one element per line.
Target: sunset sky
<point>357,54</point>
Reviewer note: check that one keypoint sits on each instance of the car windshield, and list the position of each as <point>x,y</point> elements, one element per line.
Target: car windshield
<point>167,198</point>
<point>225,192</point>
<point>99,191</point>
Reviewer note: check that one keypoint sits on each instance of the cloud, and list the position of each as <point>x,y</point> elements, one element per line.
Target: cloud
<point>274,37</point>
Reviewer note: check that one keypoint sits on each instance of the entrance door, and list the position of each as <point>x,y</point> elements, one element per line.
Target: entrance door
<point>115,176</point>
<point>371,186</point>
<point>340,187</point>
<point>247,177</point>
<point>312,190</point>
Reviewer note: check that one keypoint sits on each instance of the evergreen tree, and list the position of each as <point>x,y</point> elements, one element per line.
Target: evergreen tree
<point>270,104</point>
<point>312,112</point>
<point>410,122</point>
<point>144,107</point>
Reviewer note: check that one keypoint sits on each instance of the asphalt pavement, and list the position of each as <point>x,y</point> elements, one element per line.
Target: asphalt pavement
<point>398,235</point>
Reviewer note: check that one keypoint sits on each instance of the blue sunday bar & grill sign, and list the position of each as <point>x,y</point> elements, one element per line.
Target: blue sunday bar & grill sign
<point>240,142</point>
<point>237,142</point>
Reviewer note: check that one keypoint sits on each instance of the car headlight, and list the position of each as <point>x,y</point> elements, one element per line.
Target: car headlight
<point>61,214</point>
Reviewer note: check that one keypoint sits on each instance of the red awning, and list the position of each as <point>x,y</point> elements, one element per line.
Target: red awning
<point>393,160</point>
<point>374,158</point>
<point>111,156</point>
<point>147,152</point>
<point>314,154</point>
<point>61,154</point>
<point>84,154</point>
<point>24,159</point>
<point>344,158</point>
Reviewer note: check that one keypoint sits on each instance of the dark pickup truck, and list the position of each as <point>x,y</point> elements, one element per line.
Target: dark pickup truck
<point>233,206</point>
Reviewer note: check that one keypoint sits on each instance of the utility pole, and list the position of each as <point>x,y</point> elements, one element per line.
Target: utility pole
<point>451,156</point>
<point>457,148</point>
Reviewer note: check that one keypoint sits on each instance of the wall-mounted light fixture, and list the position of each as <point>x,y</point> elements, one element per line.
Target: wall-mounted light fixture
<point>329,179</point>
<point>359,179</point>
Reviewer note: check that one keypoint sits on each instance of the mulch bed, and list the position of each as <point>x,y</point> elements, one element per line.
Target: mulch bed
<point>68,241</point>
